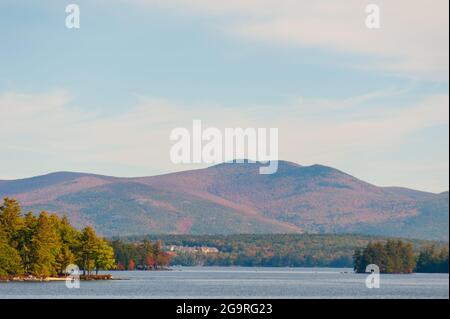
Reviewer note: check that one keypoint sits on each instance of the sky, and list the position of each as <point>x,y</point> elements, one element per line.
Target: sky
<point>104,98</point>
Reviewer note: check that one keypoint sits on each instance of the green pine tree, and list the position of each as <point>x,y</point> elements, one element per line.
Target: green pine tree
<point>88,245</point>
<point>11,220</point>
<point>45,247</point>
<point>103,256</point>
<point>10,262</point>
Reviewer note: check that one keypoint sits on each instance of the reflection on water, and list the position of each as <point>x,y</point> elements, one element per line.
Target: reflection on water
<point>238,282</point>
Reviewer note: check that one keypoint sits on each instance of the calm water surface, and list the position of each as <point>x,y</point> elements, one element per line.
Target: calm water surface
<point>237,282</point>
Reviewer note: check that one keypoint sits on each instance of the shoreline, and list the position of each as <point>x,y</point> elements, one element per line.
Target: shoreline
<point>49,279</point>
<point>22,278</point>
<point>13,278</point>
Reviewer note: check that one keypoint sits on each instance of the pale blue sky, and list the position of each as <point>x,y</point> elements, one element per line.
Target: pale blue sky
<point>78,100</point>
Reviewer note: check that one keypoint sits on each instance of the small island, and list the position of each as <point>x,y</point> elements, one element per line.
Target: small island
<point>39,248</point>
<point>398,257</point>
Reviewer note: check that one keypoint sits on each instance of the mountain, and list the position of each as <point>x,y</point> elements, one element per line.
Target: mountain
<point>235,198</point>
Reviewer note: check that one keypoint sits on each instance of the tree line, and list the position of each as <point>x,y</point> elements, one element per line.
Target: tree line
<point>396,256</point>
<point>46,244</point>
<point>265,250</point>
<point>142,256</point>
<point>269,250</point>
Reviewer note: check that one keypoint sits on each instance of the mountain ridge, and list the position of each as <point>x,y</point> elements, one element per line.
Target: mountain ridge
<point>235,198</point>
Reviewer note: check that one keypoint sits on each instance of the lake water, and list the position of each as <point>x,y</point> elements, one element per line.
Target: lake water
<point>237,282</point>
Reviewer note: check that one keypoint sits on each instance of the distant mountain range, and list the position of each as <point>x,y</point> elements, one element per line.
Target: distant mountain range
<point>235,198</point>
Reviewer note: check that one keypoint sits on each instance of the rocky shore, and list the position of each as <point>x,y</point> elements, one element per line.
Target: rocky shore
<point>48,279</point>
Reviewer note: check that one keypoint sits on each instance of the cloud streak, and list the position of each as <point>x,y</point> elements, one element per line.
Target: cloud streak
<point>412,41</point>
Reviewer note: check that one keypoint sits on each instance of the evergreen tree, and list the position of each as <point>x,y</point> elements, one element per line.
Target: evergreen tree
<point>46,246</point>
<point>431,260</point>
<point>64,258</point>
<point>25,242</point>
<point>10,262</point>
<point>10,220</point>
<point>69,235</point>
<point>103,256</point>
<point>407,257</point>
<point>392,257</point>
<point>70,242</point>
<point>87,250</point>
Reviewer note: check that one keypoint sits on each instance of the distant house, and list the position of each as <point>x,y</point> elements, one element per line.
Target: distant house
<point>188,249</point>
<point>209,250</point>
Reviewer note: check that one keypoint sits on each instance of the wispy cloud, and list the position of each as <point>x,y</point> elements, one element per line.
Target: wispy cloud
<point>412,41</point>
